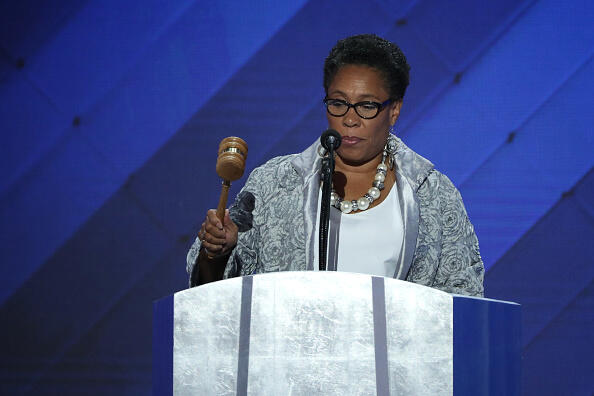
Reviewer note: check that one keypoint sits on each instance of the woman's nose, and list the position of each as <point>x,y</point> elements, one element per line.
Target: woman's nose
<point>351,118</point>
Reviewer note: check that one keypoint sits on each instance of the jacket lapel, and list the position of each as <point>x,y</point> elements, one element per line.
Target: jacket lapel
<point>411,170</point>
<point>307,164</point>
<point>409,209</point>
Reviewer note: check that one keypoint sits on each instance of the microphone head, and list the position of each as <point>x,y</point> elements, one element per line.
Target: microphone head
<point>330,139</point>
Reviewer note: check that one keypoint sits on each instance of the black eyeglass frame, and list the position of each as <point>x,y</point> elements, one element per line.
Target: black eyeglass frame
<point>380,107</point>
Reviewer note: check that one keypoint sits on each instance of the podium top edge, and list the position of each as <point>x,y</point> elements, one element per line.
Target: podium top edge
<point>484,299</point>
<point>307,274</point>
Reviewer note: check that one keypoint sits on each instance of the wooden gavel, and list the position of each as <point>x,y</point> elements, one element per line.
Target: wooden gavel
<point>230,166</point>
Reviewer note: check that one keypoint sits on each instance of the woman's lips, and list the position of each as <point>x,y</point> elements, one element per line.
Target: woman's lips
<point>350,140</point>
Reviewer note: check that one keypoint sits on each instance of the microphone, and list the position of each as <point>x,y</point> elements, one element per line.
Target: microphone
<point>330,140</point>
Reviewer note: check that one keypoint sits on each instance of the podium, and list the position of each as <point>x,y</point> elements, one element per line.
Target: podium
<point>333,333</point>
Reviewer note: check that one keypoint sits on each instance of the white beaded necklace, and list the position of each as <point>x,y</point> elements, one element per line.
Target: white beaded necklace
<point>374,192</point>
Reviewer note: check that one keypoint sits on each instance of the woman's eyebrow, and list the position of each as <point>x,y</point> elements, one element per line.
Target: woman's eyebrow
<point>368,96</point>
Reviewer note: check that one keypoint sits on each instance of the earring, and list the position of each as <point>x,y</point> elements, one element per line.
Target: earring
<point>392,130</point>
<point>390,149</point>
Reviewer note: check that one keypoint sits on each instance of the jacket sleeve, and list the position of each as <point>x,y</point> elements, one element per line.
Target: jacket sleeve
<point>460,269</point>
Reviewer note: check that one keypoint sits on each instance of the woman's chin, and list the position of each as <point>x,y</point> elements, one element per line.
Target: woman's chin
<point>355,160</point>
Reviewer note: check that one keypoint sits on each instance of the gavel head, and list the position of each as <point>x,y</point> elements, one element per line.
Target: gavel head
<point>231,161</point>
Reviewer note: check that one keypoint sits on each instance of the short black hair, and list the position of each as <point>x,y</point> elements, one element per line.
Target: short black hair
<point>373,51</point>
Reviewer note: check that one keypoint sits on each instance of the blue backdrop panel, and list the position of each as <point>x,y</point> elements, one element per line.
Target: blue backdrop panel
<point>78,285</point>
<point>31,126</point>
<point>114,356</point>
<point>460,30</point>
<point>25,25</point>
<point>562,353</point>
<point>395,9</point>
<point>76,70</point>
<point>509,82</point>
<point>523,178</point>
<point>185,66</point>
<point>6,66</point>
<point>47,205</point>
<point>550,271</point>
<point>111,114</point>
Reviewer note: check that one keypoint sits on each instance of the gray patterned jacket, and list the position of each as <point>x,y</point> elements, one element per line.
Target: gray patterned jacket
<point>440,247</point>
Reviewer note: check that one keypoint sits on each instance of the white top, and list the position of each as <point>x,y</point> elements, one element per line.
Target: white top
<point>369,241</point>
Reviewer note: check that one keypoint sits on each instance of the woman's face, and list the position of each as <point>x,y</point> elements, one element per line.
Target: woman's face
<point>363,140</point>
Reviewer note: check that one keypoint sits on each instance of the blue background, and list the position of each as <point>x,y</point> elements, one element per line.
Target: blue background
<point>111,113</point>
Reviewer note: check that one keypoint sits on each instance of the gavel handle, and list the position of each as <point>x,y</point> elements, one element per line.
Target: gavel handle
<point>221,207</point>
<point>223,200</point>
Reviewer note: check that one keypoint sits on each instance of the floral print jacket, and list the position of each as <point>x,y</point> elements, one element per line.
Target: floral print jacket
<point>276,213</point>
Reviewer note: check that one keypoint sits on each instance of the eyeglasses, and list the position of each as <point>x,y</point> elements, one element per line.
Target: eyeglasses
<point>366,110</point>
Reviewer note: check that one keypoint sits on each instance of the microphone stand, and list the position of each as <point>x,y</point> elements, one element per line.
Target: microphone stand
<point>327,172</point>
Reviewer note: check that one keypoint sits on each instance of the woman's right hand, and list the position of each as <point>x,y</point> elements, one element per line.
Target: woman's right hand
<point>218,238</point>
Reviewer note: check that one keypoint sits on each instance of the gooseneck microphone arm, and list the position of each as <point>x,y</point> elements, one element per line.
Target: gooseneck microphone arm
<point>330,141</point>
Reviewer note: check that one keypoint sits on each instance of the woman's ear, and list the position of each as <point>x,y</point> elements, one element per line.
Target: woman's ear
<point>395,111</point>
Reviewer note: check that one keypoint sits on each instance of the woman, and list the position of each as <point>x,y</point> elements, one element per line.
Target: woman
<point>394,214</point>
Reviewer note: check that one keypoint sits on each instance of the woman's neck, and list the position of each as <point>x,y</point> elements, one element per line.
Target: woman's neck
<point>358,169</point>
<point>351,181</point>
